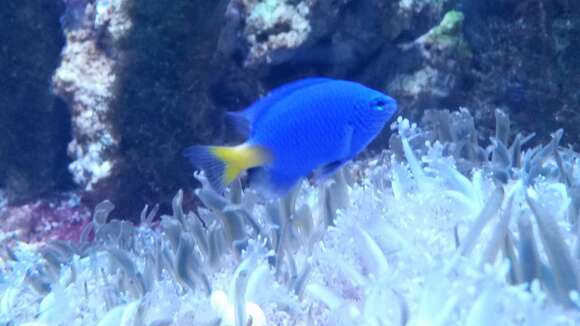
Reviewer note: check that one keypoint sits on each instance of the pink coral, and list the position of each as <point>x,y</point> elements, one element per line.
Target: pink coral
<point>43,219</point>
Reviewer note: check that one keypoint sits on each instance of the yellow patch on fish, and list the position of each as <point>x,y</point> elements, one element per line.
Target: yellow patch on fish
<point>239,158</point>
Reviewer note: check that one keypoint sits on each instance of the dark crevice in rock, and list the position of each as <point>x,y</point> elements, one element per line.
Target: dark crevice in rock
<point>35,125</point>
<point>162,98</point>
<point>518,62</point>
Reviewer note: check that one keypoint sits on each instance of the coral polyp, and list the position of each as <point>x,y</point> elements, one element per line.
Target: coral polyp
<point>401,239</point>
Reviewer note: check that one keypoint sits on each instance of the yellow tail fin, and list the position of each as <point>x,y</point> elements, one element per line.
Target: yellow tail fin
<point>222,165</point>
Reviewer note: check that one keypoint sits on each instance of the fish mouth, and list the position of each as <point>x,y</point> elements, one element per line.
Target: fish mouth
<point>391,105</point>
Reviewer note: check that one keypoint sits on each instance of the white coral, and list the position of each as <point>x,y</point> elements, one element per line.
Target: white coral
<point>392,258</point>
<point>85,80</point>
<point>274,24</point>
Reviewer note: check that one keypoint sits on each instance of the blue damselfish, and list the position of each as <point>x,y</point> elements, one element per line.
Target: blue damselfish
<point>311,125</point>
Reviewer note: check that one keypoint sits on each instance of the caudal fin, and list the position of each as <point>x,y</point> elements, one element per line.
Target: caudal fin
<point>222,165</point>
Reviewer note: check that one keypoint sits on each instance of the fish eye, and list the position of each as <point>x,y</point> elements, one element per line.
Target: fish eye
<point>379,104</point>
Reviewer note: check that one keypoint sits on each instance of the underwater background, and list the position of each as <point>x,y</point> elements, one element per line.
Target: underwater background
<point>462,211</point>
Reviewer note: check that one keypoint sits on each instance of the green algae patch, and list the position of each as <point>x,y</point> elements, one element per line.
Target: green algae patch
<point>448,35</point>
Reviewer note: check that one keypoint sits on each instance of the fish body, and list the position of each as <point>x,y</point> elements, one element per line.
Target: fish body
<point>315,124</point>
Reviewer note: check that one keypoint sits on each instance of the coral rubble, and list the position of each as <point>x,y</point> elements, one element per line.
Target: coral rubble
<point>39,221</point>
<point>85,79</point>
<point>271,25</point>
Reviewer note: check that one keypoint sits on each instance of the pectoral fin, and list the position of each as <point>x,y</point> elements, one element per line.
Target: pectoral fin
<point>326,171</point>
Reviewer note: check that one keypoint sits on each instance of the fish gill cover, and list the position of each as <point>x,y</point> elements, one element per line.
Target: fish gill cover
<point>400,239</point>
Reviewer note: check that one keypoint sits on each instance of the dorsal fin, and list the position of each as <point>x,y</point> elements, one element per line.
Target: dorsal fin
<point>244,119</point>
